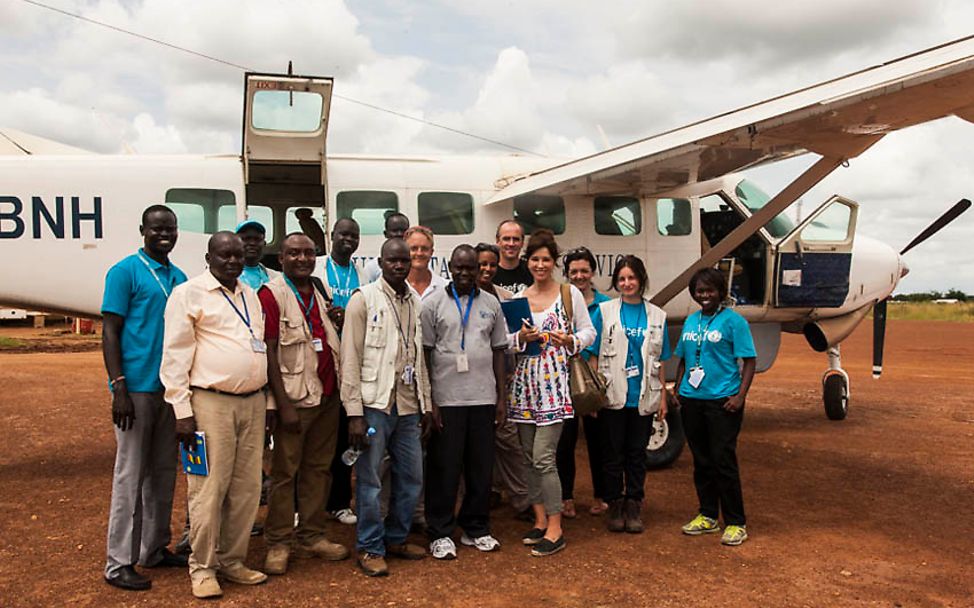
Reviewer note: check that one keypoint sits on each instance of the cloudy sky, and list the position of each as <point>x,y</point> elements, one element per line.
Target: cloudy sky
<point>545,75</point>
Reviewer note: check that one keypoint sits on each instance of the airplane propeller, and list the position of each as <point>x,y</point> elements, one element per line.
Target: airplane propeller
<point>879,310</point>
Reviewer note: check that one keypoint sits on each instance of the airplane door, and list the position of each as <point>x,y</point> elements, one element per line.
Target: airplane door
<point>284,133</point>
<point>814,259</point>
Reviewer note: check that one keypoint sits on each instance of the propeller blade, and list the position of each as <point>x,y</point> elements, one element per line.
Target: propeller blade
<point>951,215</point>
<point>879,337</point>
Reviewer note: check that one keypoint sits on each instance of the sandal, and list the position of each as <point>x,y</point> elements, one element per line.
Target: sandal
<point>598,508</point>
<point>568,509</point>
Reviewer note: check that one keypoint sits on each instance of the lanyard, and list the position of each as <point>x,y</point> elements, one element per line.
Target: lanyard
<point>304,309</point>
<point>246,320</point>
<point>154,275</point>
<point>406,340</point>
<point>640,324</point>
<point>464,316</point>
<point>333,272</point>
<point>701,334</point>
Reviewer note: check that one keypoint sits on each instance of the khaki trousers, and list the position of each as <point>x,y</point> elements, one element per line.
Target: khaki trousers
<point>223,504</point>
<point>302,462</point>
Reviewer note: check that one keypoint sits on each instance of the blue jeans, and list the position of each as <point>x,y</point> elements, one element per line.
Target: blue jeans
<point>400,435</point>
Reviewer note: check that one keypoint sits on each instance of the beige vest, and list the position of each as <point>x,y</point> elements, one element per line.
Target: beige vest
<point>295,350</point>
<point>614,351</point>
<point>382,346</point>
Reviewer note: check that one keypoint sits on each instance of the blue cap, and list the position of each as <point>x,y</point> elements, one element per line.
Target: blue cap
<point>250,224</point>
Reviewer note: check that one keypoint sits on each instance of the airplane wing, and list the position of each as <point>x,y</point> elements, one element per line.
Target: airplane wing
<point>839,119</point>
<point>16,143</point>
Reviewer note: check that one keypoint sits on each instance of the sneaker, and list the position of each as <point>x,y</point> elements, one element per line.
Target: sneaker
<point>242,575</point>
<point>443,548</point>
<point>323,548</point>
<point>406,551</point>
<point>734,535</point>
<point>276,560</point>
<point>701,524</point>
<point>548,547</point>
<point>206,587</point>
<point>485,543</point>
<point>372,564</point>
<point>534,536</point>
<point>345,516</point>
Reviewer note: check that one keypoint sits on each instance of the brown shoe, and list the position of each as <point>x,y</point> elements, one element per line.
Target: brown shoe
<point>323,548</point>
<point>634,522</point>
<point>242,575</point>
<point>614,520</point>
<point>372,564</point>
<point>406,551</point>
<point>206,587</point>
<point>276,560</point>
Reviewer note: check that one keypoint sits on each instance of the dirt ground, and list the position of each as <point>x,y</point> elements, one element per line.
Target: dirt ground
<point>871,511</point>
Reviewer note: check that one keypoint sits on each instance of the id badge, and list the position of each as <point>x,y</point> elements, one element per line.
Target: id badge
<point>696,377</point>
<point>462,364</point>
<point>632,371</point>
<point>407,375</point>
<point>258,345</point>
<point>316,342</point>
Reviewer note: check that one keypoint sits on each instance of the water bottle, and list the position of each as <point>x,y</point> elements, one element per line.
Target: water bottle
<point>350,455</point>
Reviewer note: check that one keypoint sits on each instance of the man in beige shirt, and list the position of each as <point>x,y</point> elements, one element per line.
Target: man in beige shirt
<point>214,369</point>
<point>385,389</point>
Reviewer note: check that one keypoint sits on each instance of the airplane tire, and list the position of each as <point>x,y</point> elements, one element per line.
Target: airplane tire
<point>666,442</point>
<point>835,396</point>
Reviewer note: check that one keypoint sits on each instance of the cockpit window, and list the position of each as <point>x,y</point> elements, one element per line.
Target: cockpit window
<point>755,199</point>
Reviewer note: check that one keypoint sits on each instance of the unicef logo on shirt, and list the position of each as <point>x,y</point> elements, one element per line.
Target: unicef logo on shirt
<point>714,336</point>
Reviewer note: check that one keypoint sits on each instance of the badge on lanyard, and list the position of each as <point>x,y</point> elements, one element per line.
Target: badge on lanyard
<point>316,342</point>
<point>632,371</point>
<point>696,376</point>
<point>462,364</point>
<point>408,375</point>
<point>258,345</point>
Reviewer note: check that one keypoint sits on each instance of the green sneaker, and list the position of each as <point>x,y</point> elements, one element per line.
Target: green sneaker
<point>701,524</point>
<point>734,535</point>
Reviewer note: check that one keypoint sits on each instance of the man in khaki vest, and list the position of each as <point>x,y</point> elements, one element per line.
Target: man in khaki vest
<point>302,370</point>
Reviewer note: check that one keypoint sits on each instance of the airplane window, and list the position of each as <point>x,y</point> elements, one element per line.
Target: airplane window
<point>197,208</point>
<point>618,215</point>
<point>294,111</point>
<point>446,212</point>
<point>674,217</point>
<point>367,207</point>
<point>829,226</point>
<point>535,211</point>
<point>227,218</point>
<point>754,199</point>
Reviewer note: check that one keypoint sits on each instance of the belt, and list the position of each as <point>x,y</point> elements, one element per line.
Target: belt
<point>228,394</point>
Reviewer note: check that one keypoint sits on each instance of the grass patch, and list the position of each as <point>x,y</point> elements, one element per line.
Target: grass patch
<point>962,312</point>
<point>8,343</point>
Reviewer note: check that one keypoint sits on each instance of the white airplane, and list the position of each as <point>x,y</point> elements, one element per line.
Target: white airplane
<point>674,199</point>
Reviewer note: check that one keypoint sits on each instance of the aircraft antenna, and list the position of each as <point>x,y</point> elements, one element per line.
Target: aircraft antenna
<point>358,102</point>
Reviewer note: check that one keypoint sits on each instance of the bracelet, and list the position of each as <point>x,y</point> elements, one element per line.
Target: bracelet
<point>112,383</point>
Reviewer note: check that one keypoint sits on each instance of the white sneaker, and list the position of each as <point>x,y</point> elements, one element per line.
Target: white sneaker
<point>483,543</point>
<point>443,548</point>
<point>346,516</point>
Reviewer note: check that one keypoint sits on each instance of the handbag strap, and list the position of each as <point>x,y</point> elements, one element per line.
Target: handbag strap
<point>566,302</point>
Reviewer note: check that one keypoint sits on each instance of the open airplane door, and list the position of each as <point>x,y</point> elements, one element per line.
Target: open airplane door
<point>814,259</point>
<point>284,135</point>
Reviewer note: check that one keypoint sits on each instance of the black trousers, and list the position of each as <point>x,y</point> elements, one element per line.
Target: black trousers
<point>624,437</point>
<point>711,433</point>
<point>341,474</point>
<point>465,446</point>
<point>565,457</point>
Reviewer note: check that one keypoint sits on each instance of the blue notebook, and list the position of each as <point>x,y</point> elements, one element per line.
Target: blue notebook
<point>516,310</point>
<point>194,461</point>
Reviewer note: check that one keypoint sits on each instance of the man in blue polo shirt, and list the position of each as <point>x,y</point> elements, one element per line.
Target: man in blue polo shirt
<point>133,308</point>
<point>254,236</point>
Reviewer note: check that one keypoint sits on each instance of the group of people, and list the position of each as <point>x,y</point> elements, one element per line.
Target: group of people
<point>419,383</point>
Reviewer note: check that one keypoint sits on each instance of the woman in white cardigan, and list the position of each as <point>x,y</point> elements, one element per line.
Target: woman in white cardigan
<point>629,350</point>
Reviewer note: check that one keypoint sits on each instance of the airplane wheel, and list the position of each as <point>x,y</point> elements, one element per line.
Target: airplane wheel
<point>666,442</point>
<point>835,395</point>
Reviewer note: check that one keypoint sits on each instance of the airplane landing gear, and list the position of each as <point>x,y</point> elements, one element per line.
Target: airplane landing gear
<point>835,387</point>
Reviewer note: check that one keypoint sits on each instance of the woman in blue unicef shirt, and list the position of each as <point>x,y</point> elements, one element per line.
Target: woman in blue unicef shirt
<point>711,392</point>
<point>628,350</point>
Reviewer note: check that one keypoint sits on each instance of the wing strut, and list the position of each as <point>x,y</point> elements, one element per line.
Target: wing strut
<point>802,184</point>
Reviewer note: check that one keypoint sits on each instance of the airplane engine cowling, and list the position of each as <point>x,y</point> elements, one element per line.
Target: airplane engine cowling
<point>825,333</point>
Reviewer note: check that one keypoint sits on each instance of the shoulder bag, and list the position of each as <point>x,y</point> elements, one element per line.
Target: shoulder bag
<point>586,387</point>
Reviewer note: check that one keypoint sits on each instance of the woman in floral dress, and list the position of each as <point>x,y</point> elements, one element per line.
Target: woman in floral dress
<point>540,400</point>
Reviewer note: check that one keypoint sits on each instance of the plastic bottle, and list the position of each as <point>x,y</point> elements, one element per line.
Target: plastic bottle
<point>350,455</point>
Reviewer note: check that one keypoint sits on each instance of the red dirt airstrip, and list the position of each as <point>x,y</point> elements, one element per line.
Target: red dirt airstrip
<point>872,511</point>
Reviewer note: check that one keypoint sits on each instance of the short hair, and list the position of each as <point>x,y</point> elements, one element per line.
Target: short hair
<point>510,220</point>
<point>418,230</point>
<point>293,234</point>
<point>637,267</point>
<point>344,219</point>
<point>712,277</point>
<point>542,238</point>
<point>156,209</point>
<point>465,248</point>
<point>578,254</point>
<point>393,215</point>
<point>488,247</point>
